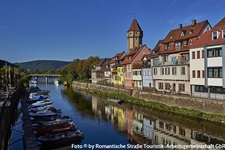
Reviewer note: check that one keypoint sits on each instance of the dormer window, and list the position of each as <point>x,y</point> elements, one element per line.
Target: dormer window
<point>171,36</point>
<point>214,35</point>
<point>183,33</point>
<point>224,33</point>
<point>191,32</point>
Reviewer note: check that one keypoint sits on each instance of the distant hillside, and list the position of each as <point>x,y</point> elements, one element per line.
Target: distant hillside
<point>3,63</point>
<point>43,64</point>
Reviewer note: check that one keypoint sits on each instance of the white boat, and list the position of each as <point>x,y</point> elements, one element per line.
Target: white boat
<point>115,100</point>
<point>56,81</point>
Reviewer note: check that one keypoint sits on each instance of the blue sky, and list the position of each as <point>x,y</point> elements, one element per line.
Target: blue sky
<point>69,29</point>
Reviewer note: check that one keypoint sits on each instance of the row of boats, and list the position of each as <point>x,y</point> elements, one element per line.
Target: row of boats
<point>48,123</point>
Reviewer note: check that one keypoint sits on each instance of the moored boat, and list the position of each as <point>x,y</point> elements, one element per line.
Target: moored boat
<point>115,101</point>
<point>61,138</point>
<point>49,114</point>
<point>56,82</point>
<point>59,120</point>
<point>41,108</point>
<point>56,128</point>
<point>41,103</point>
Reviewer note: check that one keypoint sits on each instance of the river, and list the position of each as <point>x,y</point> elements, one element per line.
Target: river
<point>125,125</point>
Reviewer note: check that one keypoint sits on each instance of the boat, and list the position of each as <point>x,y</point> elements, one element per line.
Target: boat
<point>59,120</point>
<point>56,128</point>
<point>56,81</point>
<point>38,91</point>
<point>41,108</point>
<point>49,114</point>
<point>61,138</point>
<point>40,103</point>
<point>115,100</point>
<point>36,98</point>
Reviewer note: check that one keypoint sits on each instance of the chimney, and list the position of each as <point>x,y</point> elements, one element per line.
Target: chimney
<point>193,23</point>
<point>180,26</point>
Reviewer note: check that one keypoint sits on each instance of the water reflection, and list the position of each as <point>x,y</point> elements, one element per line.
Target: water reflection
<point>145,126</point>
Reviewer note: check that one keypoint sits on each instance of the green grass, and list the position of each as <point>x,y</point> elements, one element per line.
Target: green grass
<point>164,107</point>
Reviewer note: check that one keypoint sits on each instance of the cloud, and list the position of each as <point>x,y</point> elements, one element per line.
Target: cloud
<point>4,27</point>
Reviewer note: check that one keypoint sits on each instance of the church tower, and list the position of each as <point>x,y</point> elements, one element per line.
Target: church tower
<point>134,35</point>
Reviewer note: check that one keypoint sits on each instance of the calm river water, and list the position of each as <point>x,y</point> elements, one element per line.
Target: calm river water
<point>125,125</point>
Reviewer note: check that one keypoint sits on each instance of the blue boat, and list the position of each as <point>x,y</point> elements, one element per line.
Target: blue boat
<point>48,114</point>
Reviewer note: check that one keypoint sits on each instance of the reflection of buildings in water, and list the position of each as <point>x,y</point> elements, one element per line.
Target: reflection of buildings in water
<point>138,123</point>
<point>119,113</point>
<point>94,103</point>
<point>169,133</point>
<point>129,118</point>
<point>98,107</point>
<point>200,138</point>
<point>109,113</point>
<point>148,129</point>
<point>164,138</point>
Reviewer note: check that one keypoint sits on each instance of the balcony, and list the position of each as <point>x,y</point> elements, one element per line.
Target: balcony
<point>169,63</point>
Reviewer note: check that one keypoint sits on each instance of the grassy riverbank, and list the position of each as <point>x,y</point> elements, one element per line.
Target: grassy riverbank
<point>165,108</point>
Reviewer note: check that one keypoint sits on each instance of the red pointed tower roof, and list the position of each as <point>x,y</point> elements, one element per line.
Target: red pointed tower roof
<point>135,26</point>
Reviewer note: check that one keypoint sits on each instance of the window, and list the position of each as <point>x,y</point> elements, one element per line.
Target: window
<point>198,54</point>
<point>224,33</point>
<point>171,36</point>
<point>182,87</point>
<point>160,85</point>
<point>166,47</point>
<point>162,71</point>
<point>198,73</point>
<point>183,33</point>
<point>202,53</point>
<point>182,70</point>
<point>191,32</point>
<point>215,52</point>
<point>191,41</point>
<point>181,131</point>
<point>167,86</point>
<point>155,71</point>
<point>214,36</point>
<point>174,70</point>
<point>185,43</point>
<point>167,71</point>
<point>200,88</point>
<point>193,73</point>
<point>203,74</point>
<point>215,72</point>
<point>177,46</point>
<point>193,55</point>
<point>165,58</point>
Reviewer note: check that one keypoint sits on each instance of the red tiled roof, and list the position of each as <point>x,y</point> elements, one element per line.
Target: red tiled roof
<point>157,47</point>
<point>176,33</point>
<point>131,55</point>
<point>148,56</point>
<point>207,40</point>
<point>202,40</point>
<point>135,26</point>
<point>118,55</point>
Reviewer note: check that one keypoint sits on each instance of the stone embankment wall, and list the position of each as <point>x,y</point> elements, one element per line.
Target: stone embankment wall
<point>6,115</point>
<point>201,104</point>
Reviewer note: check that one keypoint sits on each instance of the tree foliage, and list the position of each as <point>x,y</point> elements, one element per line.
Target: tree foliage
<point>79,69</point>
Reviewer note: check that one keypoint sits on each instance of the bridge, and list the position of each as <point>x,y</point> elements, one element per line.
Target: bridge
<point>45,75</point>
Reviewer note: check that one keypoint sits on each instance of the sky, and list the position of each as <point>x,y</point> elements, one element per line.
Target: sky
<point>69,29</point>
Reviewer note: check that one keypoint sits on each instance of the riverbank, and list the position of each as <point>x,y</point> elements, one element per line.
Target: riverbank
<point>211,110</point>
